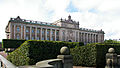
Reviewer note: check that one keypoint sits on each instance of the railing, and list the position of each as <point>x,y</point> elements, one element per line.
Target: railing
<point>4,63</point>
<point>85,29</point>
<point>31,21</point>
<point>63,61</point>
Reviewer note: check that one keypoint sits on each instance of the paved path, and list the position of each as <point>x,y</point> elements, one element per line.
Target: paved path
<point>3,54</point>
<point>82,67</point>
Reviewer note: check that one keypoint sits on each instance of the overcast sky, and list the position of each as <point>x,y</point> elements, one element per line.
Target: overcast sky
<point>92,14</point>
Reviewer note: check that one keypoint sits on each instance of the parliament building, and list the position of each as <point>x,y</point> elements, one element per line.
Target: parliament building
<point>60,30</point>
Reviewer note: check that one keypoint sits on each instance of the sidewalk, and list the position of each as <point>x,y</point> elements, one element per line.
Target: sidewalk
<point>82,67</point>
<point>3,54</point>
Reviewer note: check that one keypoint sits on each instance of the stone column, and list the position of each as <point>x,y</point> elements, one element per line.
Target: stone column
<point>55,34</point>
<point>30,32</point>
<point>66,57</point>
<point>111,59</point>
<point>102,38</point>
<point>50,34</point>
<point>41,33</point>
<point>95,38</point>
<point>21,31</point>
<point>86,37</point>
<point>75,36</point>
<point>24,32</point>
<point>78,36</point>
<point>82,39</point>
<point>14,31</point>
<point>90,38</point>
<point>46,34</point>
<point>11,32</point>
<point>36,33</point>
<point>60,35</point>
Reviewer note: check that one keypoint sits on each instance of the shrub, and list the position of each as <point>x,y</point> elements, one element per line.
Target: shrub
<point>11,43</point>
<point>101,53</point>
<point>84,55</point>
<point>31,52</point>
<point>92,54</point>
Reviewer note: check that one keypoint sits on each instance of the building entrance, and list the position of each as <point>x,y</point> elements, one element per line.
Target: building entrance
<point>69,40</point>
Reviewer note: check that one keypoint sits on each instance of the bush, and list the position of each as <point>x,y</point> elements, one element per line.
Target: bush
<point>101,53</point>
<point>92,54</point>
<point>11,43</point>
<point>84,55</point>
<point>31,52</point>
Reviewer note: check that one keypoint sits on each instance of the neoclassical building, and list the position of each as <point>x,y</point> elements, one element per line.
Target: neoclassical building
<point>60,30</point>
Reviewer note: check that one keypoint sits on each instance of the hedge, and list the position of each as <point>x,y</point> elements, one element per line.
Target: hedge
<point>84,55</point>
<point>31,52</point>
<point>101,53</point>
<point>11,43</point>
<point>92,55</point>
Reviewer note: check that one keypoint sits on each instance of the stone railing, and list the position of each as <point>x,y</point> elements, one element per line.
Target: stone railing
<point>63,61</point>
<point>4,63</point>
<point>112,59</point>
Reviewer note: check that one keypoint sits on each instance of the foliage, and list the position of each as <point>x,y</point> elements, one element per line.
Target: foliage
<point>92,54</point>
<point>84,55</point>
<point>11,43</point>
<point>111,42</point>
<point>101,53</point>
<point>34,51</point>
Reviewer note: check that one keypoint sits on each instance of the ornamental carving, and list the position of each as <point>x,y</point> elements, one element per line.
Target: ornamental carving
<point>70,35</point>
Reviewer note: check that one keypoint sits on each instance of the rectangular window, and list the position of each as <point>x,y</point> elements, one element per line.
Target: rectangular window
<point>18,37</point>
<point>32,30</point>
<point>27,30</point>
<point>27,37</point>
<point>52,39</point>
<point>57,32</point>
<point>48,32</point>
<point>38,38</point>
<point>43,32</point>
<point>48,38</point>
<point>42,38</point>
<point>32,38</point>
<point>38,31</point>
<point>57,38</point>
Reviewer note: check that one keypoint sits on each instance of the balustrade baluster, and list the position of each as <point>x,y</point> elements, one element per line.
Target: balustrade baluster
<point>0,64</point>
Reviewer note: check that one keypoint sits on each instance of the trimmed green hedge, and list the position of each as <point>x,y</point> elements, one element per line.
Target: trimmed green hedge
<point>101,53</point>
<point>92,54</point>
<point>84,55</point>
<point>11,43</point>
<point>31,52</point>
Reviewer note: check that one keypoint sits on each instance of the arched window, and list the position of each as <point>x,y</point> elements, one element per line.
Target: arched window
<point>70,40</point>
<point>18,29</point>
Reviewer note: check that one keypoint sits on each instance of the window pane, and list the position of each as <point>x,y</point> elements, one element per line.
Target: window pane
<point>38,31</point>
<point>18,29</point>
<point>27,30</point>
<point>32,30</point>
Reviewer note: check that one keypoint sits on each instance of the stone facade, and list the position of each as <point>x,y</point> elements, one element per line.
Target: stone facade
<point>60,30</point>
